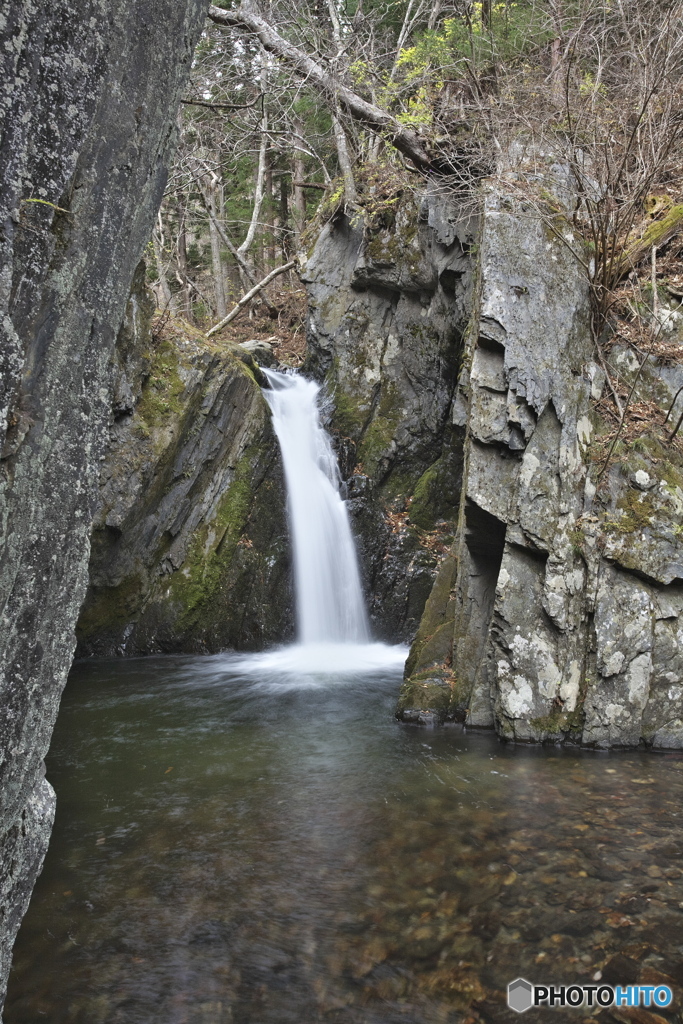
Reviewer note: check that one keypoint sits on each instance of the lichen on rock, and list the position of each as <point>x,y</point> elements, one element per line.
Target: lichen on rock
<point>563,620</point>
<point>89,101</point>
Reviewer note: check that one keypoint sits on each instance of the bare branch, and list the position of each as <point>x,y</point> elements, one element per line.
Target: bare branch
<point>249,296</point>
<point>404,139</point>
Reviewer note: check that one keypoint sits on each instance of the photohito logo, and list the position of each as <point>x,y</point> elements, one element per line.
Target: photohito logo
<point>522,995</point>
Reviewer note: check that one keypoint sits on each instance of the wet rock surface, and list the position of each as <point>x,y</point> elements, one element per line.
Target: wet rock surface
<point>390,293</point>
<point>88,111</point>
<point>190,548</point>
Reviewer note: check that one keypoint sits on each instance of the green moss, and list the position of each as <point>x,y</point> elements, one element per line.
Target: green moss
<point>577,538</point>
<point>658,230</point>
<point>423,510</point>
<point>558,723</point>
<point>638,510</point>
<point>436,495</point>
<point>382,429</point>
<point>333,203</point>
<point>438,613</point>
<point>161,392</point>
<point>390,243</point>
<point>349,418</point>
<point>214,545</point>
<point>435,691</point>
<point>672,476</point>
<point>109,608</point>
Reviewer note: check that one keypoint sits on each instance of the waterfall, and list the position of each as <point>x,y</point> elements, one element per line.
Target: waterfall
<point>329,598</point>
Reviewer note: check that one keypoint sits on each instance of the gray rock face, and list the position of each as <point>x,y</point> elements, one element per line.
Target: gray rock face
<point>88,106</point>
<point>389,300</point>
<point>564,618</point>
<point>190,549</point>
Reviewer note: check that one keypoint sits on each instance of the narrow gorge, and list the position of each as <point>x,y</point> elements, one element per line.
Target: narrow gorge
<point>495,507</point>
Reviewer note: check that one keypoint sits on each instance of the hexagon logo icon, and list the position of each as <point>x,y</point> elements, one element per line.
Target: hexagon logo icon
<point>520,995</point>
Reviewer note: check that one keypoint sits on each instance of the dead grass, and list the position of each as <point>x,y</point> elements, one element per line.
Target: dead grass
<point>285,330</point>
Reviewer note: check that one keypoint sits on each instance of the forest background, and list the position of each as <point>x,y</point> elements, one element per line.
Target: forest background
<point>296,115</point>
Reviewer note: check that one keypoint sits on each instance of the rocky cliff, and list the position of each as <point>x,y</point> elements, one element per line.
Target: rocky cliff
<point>390,291</point>
<point>88,107</point>
<point>466,394</point>
<point>557,614</point>
<point>190,549</point>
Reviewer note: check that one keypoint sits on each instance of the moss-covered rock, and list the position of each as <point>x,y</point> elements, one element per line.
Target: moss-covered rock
<point>433,644</point>
<point>432,697</point>
<point>190,549</point>
<point>390,296</point>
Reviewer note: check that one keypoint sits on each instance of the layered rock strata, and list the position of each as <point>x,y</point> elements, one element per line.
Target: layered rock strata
<point>557,615</point>
<point>190,548</point>
<point>88,107</point>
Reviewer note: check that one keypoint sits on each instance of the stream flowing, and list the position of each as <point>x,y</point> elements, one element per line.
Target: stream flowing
<point>253,839</point>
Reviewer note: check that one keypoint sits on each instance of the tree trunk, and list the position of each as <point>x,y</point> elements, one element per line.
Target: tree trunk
<point>269,217</point>
<point>249,296</point>
<point>183,269</point>
<point>163,291</point>
<point>215,212</point>
<point>298,194</point>
<point>285,245</point>
<point>345,165</point>
<point>243,249</point>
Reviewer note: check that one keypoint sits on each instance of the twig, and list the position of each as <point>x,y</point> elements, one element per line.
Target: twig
<point>655,336</point>
<point>310,184</point>
<point>615,396</point>
<point>222,106</point>
<point>671,407</point>
<point>250,295</point>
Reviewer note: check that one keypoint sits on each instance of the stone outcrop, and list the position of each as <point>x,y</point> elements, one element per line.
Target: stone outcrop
<point>88,107</point>
<point>390,290</point>
<point>557,613</point>
<point>190,549</point>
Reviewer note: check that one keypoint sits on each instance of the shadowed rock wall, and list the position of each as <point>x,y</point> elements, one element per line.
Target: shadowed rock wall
<point>88,106</point>
<point>190,548</point>
<point>390,293</point>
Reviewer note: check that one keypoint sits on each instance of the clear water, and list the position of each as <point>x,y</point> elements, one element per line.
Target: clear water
<point>234,848</point>
<point>329,597</point>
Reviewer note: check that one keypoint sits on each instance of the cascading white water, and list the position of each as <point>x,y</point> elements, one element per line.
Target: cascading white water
<point>333,642</point>
<point>329,598</point>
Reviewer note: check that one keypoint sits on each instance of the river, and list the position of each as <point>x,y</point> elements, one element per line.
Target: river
<point>238,846</point>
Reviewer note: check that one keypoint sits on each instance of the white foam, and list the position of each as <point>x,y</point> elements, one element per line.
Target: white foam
<point>324,659</point>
